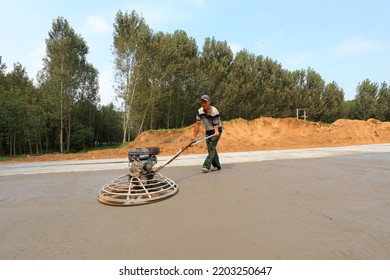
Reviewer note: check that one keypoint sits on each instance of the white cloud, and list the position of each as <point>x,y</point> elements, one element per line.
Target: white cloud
<point>107,94</point>
<point>96,24</point>
<point>277,34</point>
<point>263,44</point>
<point>158,14</point>
<point>197,3</point>
<point>34,62</point>
<point>235,47</point>
<point>300,60</point>
<point>355,45</point>
<point>154,14</point>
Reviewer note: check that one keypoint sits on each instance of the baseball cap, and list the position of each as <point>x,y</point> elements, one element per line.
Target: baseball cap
<point>205,97</point>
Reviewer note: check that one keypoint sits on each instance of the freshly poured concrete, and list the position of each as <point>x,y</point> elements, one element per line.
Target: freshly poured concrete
<point>313,204</point>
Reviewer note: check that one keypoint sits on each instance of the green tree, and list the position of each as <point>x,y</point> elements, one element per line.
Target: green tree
<point>152,85</point>
<point>15,108</point>
<point>275,89</point>
<point>182,75</point>
<point>215,63</point>
<point>333,102</point>
<point>171,81</point>
<point>131,36</point>
<point>366,100</point>
<point>3,88</point>
<point>349,109</point>
<point>383,103</point>
<point>240,98</point>
<point>308,89</point>
<point>108,128</point>
<point>164,91</point>
<point>85,106</point>
<point>65,66</point>
<point>157,109</point>
<point>49,111</point>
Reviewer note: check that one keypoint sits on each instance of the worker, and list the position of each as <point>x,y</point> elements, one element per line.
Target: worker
<point>212,123</point>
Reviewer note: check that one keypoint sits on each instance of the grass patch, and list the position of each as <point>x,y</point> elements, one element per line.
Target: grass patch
<point>325,124</point>
<point>105,147</point>
<point>165,129</point>
<point>8,158</point>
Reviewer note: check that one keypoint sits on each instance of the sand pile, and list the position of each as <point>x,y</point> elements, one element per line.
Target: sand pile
<point>260,134</point>
<point>268,133</point>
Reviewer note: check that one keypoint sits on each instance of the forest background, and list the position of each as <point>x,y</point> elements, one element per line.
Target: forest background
<point>158,79</point>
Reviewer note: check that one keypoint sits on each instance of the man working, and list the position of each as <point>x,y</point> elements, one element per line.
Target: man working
<point>212,123</point>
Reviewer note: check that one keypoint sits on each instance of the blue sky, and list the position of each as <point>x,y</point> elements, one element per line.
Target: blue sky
<point>344,41</point>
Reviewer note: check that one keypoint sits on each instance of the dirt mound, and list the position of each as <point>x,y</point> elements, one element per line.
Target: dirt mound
<point>260,134</point>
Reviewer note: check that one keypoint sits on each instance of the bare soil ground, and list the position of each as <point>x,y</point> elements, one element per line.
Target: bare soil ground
<point>260,134</point>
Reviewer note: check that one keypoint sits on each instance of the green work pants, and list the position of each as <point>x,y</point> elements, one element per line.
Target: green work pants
<point>212,157</point>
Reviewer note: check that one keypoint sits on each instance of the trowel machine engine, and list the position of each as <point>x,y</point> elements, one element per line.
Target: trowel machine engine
<point>141,162</point>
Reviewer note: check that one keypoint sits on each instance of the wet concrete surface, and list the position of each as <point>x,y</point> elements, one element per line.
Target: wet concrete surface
<point>333,207</point>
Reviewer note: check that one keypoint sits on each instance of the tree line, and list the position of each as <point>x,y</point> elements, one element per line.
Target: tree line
<point>159,78</point>
<point>61,113</point>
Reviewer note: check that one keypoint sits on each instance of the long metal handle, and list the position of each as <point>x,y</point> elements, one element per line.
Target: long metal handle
<point>180,151</point>
<point>175,156</point>
<point>201,140</point>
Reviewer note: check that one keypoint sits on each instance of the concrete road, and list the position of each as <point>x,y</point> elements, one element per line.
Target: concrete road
<point>313,204</point>
<point>186,160</point>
